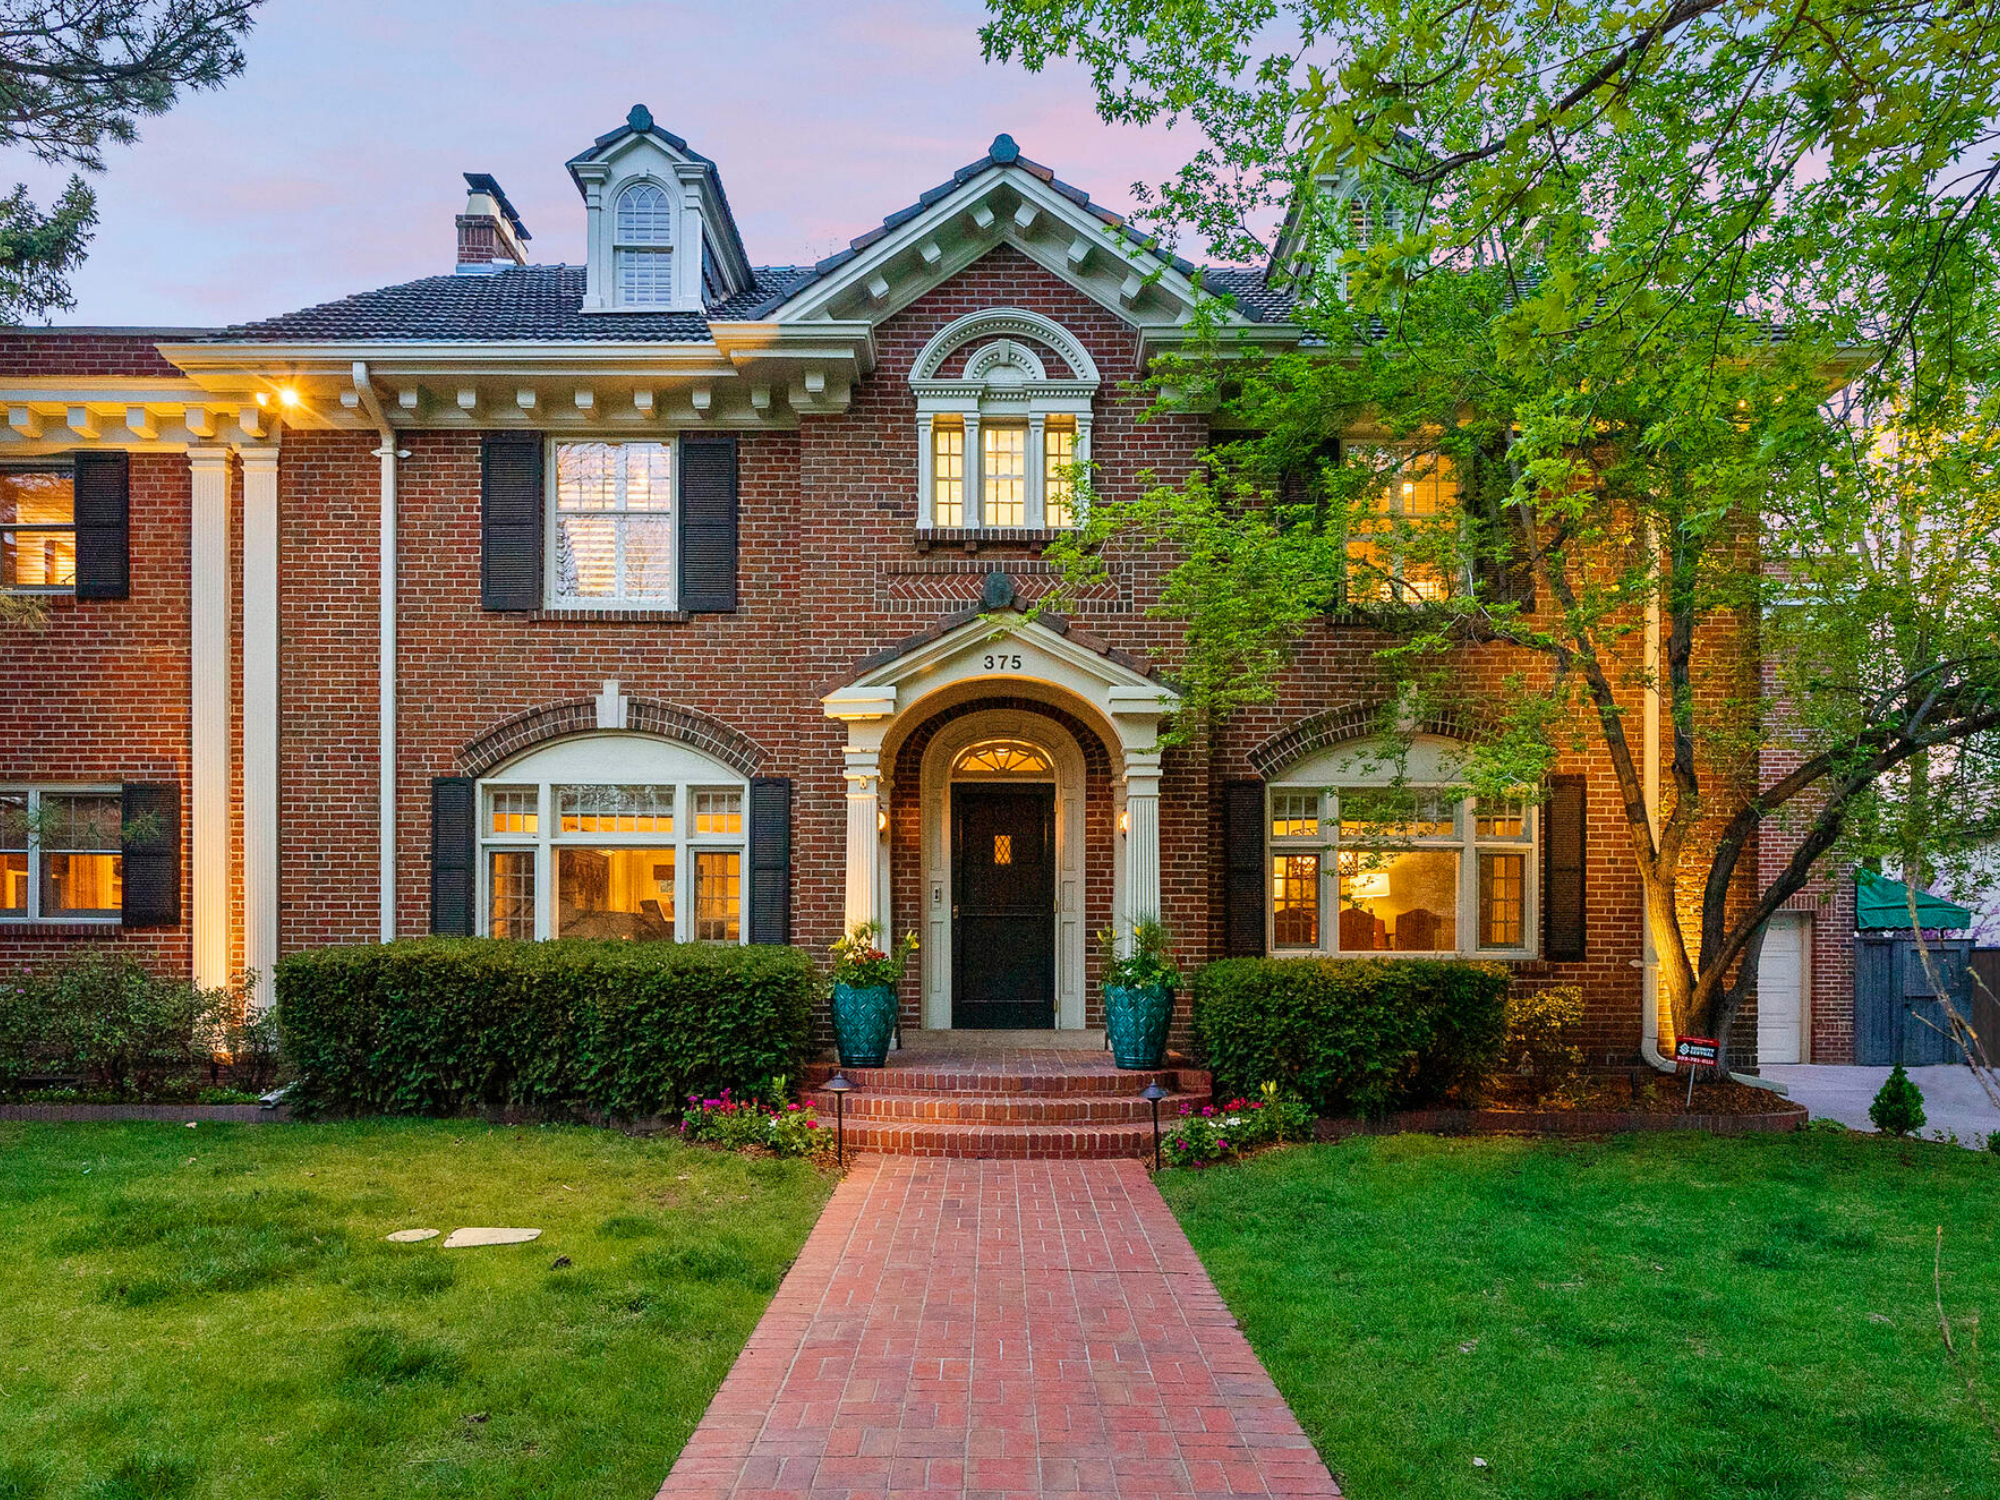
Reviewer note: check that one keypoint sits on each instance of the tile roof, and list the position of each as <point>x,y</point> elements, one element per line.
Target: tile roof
<point>523,303</point>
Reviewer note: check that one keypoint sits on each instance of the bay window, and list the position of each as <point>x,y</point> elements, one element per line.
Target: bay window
<point>1375,869</point>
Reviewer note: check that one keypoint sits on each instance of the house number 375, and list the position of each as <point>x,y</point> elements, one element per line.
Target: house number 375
<point>1003,661</point>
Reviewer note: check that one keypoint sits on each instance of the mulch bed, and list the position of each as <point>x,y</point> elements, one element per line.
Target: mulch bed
<point>1604,1106</point>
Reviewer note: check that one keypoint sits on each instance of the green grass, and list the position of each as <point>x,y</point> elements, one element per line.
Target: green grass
<point>1635,1318</point>
<point>187,1314</point>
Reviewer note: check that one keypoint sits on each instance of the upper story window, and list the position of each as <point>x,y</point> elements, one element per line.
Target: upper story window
<point>1402,550</point>
<point>1003,431</point>
<point>659,859</point>
<point>60,855</point>
<point>642,247</point>
<point>612,524</point>
<point>38,529</point>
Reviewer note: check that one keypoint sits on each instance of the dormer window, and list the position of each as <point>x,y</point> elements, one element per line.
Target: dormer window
<point>1004,404</point>
<point>642,247</point>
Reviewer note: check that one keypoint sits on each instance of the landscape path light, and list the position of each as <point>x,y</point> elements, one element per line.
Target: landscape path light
<point>1153,1095</point>
<point>840,1088</point>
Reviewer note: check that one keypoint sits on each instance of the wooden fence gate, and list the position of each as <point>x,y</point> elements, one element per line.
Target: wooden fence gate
<point>1898,1017</point>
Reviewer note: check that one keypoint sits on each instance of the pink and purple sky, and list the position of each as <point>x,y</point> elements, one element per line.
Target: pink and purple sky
<point>332,164</point>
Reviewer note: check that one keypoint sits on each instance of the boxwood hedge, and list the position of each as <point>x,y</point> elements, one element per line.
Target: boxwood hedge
<point>1349,1035</point>
<point>442,1026</point>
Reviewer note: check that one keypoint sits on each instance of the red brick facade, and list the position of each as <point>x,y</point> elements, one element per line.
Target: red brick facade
<point>831,570</point>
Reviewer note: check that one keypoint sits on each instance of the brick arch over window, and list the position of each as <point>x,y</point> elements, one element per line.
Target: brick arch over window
<point>554,721</point>
<point>1353,721</point>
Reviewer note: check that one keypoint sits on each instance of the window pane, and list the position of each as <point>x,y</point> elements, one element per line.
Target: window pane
<point>1295,901</point>
<point>585,476</point>
<point>13,820</point>
<point>510,885</point>
<point>80,820</point>
<point>14,884</point>
<point>37,497</point>
<point>82,885</point>
<point>615,809</point>
<point>512,812</point>
<point>718,896</point>
<point>645,216</point>
<point>947,474</point>
<point>1058,458</point>
<point>1402,902</point>
<point>649,557</point>
<point>586,557</point>
<point>1396,813</point>
<point>645,277</point>
<point>1003,476</point>
<point>1503,884</point>
<point>37,559</point>
<point>649,476</point>
<point>1502,820</point>
<point>615,893</point>
<point>718,810</point>
<point>1294,815</point>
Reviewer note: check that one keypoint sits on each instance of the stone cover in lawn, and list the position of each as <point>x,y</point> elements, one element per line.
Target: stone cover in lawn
<point>459,1239</point>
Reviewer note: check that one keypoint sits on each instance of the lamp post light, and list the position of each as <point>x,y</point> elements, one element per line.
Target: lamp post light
<point>839,1087</point>
<point>1153,1095</point>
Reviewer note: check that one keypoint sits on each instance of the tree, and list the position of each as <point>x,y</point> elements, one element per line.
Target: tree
<point>75,74</point>
<point>1694,306</point>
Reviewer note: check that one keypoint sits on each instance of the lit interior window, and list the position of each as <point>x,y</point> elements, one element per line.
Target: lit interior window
<point>1294,815</point>
<point>947,473</point>
<point>718,810</point>
<point>1503,899</point>
<point>37,529</point>
<point>1003,475</point>
<point>1392,551</point>
<point>1399,901</point>
<point>1295,901</point>
<point>1058,476</point>
<point>1003,758</point>
<point>718,884</point>
<point>615,893</point>
<point>615,809</point>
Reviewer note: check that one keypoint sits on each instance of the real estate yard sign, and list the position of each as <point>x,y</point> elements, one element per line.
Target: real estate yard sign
<point>1697,1052</point>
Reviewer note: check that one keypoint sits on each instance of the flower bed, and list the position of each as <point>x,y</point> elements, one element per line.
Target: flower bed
<point>787,1130</point>
<point>1204,1137</point>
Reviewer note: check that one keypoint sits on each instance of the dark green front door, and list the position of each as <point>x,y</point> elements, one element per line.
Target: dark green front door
<point>1003,901</point>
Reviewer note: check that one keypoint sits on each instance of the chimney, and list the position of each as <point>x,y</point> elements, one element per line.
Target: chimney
<point>491,236</point>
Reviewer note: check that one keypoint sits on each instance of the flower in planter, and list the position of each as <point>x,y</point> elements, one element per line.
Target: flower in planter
<point>860,964</point>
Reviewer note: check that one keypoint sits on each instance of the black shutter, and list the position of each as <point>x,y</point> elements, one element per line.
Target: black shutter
<point>1243,884</point>
<point>103,525</point>
<point>510,521</point>
<point>708,524</point>
<point>453,887</point>
<point>150,819</point>
<point>770,860</point>
<point>1563,869</point>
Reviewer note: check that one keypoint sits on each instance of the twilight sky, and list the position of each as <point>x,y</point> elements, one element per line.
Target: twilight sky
<point>332,165</point>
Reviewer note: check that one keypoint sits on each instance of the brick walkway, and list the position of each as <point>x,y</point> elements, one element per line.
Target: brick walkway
<point>997,1329</point>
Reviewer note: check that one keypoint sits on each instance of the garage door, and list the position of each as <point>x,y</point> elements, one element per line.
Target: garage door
<point>1781,989</point>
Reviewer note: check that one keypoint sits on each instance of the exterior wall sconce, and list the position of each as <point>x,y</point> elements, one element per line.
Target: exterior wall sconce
<point>1125,820</point>
<point>881,820</point>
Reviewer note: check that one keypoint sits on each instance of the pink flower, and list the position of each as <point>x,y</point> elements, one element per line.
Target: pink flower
<point>812,1124</point>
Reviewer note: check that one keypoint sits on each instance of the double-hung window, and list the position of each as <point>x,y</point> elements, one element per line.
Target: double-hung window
<point>1402,548</point>
<point>38,529</point>
<point>639,862</point>
<point>642,247</point>
<point>1022,467</point>
<point>60,858</point>
<point>612,518</point>
<point>1398,870</point>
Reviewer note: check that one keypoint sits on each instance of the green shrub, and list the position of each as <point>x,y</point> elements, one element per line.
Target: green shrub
<point>440,1026</point>
<point>1349,1035</point>
<point>126,1032</point>
<point>1899,1107</point>
<point>1541,1039</point>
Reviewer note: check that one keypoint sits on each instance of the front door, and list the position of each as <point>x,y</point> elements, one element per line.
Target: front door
<point>1003,902</point>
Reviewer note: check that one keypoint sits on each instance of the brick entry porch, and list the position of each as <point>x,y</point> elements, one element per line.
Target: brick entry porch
<point>997,1329</point>
<point>1012,1095</point>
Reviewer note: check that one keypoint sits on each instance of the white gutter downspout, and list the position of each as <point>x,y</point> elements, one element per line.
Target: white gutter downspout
<point>1649,957</point>
<point>385,747</point>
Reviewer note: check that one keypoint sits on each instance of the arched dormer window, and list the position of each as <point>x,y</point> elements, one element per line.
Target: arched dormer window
<point>642,247</point>
<point>1002,433</point>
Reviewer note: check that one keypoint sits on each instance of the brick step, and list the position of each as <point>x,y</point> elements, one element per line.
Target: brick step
<point>1002,1108</point>
<point>1002,1142</point>
<point>1000,1078</point>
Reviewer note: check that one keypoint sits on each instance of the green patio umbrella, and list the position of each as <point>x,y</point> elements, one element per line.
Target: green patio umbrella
<point>1882,904</point>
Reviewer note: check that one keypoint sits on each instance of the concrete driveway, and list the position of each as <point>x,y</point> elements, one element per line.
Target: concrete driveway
<point>1953,1099</point>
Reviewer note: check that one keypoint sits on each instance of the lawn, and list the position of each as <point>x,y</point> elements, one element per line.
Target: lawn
<point>187,1314</point>
<point>1642,1317</point>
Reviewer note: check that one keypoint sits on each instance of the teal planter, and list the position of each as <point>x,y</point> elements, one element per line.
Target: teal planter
<point>864,1018</point>
<point>1135,1018</point>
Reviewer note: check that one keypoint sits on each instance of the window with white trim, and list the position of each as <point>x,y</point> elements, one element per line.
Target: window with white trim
<point>642,247</point>
<point>636,861</point>
<point>38,529</point>
<point>612,531</point>
<point>1399,869</point>
<point>61,856</point>
<point>1403,548</point>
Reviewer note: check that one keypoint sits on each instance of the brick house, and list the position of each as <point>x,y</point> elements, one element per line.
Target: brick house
<point>671,596</point>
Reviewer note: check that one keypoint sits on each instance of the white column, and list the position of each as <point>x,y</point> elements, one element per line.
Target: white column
<point>208,714</point>
<point>260,716</point>
<point>864,847</point>
<point>385,697</point>
<point>1035,513</point>
<point>1142,838</point>
<point>974,487</point>
<point>925,483</point>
